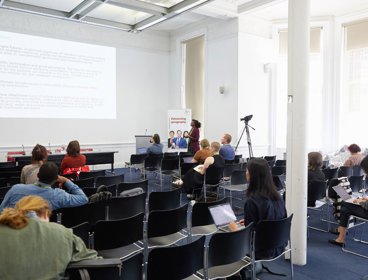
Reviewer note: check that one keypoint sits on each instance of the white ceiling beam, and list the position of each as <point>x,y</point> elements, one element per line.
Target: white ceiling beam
<point>107,23</point>
<point>89,9</point>
<point>33,9</point>
<point>140,6</point>
<point>257,4</point>
<point>80,8</point>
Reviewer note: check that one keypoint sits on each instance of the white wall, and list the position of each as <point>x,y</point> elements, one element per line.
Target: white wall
<point>142,89</point>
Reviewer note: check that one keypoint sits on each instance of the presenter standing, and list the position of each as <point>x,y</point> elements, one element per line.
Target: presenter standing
<point>194,136</point>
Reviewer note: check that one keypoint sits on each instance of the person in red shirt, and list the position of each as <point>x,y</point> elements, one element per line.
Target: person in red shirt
<point>73,159</point>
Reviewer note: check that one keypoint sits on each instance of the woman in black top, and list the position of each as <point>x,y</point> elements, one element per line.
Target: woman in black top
<point>314,171</point>
<point>194,179</point>
<point>263,202</point>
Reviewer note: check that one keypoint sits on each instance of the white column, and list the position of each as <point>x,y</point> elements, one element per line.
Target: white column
<point>296,170</point>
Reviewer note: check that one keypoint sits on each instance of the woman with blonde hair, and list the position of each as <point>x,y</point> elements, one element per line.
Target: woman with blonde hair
<point>33,248</point>
<point>201,155</point>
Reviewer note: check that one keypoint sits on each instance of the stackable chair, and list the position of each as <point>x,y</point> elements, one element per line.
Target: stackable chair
<point>211,181</point>
<point>109,180</point>
<point>85,183</point>
<point>238,183</point>
<point>278,170</point>
<point>169,167</point>
<point>317,192</point>
<point>136,161</point>
<point>92,174</point>
<point>356,183</point>
<point>345,171</point>
<point>280,162</point>
<point>152,163</point>
<point>228,253</point>
<point>95,269</point>
<point>164,200</point>
<point>271,235</point>
<point>82,230</point>
<point>124,207</point>
<point>125,186</point>
<point>179,262</point>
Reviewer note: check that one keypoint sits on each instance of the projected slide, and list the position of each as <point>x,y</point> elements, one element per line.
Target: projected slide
<point>49,78</point>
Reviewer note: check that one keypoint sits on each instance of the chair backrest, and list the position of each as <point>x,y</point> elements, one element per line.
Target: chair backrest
<point>270,158</point>
<point>201,216</point>
<point>112,189</point>
<point>164,200</point>
<point>278,182</point>
<point>316,190</point>
<point>137,159</point>
<point>3,191</point>
<point>72,176</point>
<point>185,167</point>
<point>213,174</point>
<point>84,183</point>
<point>325,164</point>
<point>172,154</point>
<point>13,181</point>
<point>91,174</point>
<point>238,177</point>
<point>170,163</point>
<point>185,154</point>
<point>237,158</point>
<point>153,161</point>
<point>3,183</point>
<point>228,247</point>
<point>272,234</point>
<point>165,222</point>
<point>12,168</point>
<point>177,262</point>
<point>82,230</point>
<point>124,207</point>
<point>356,183</point>
<point>228,169</point>
<point>330,173</point>
<point>7,164</point>
<point>86,213</point>
<point>124,186</point>
<point>8,174</point>
<point>88,191</point>
<point>109,180</point>
<point>357,170</point>
<point>280,162</point>
<point>345,171</point>
<point>118,233</point>
<point>278,170</point>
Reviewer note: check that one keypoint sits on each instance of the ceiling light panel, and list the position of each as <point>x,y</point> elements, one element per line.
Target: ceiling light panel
<point>64,5</point>
<point>118,14</point>
<point>163,3</point>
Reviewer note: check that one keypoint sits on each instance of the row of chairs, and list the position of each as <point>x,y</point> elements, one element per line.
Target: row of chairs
<point>123,239</point>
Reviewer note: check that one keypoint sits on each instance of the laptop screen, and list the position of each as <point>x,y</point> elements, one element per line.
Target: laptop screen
<point>187,159</point>
<point>342,192</point>
<point>222,214</point>
<point>142,150</point>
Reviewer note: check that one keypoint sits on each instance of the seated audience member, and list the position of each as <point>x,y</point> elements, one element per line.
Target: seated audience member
<point>194,179</point>
<point>201,155</point>
<point>314,171</point>
<point>170,140</point>
<point>73,160</point>
<point>355,157</point>
<point>57,198</point>
<point>30,171</point>
<point>33,248</point>
<point>348,209</point>
<point>179,141</point>
<point>263,202</point>
<point>156,147</point>
<point>227,151</point>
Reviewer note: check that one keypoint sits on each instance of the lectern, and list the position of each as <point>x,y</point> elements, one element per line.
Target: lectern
<point>142,142</point>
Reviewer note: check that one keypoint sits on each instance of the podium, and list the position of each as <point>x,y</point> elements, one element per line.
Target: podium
<point>142,141</point>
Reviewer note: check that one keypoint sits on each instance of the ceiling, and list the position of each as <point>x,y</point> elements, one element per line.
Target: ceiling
<point>170,15</point>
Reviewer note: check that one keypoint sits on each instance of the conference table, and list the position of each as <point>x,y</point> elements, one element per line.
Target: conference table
<point>92,158</point>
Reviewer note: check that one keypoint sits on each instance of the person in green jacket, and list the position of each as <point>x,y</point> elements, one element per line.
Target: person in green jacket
<point>33,248</point>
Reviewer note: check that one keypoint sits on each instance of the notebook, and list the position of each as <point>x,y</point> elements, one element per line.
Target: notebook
<point>222,215</point>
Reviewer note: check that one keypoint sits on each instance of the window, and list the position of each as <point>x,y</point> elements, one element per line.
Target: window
<point>354,97</point>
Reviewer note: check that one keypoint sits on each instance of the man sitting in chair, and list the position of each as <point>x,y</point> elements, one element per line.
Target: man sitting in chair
<point>194,179</point>
<point>360,209</point>
<point>180,142</point>
<point>57,198</point>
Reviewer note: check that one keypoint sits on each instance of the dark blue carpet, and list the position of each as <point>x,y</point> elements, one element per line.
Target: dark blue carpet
<point>324,260</point>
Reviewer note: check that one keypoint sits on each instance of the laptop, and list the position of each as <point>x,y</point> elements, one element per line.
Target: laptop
<point>345,196</point>
<point>142,150</point>
<point>222,215</point>
<point>187,159</point>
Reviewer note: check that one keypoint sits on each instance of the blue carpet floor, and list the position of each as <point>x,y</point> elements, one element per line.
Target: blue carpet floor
<point>324,260</point>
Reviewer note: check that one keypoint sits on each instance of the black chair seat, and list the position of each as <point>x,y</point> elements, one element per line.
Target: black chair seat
<point>166,240</point>
<point>121,252</point>
<point>204,230</point>
<point>223,271</point>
